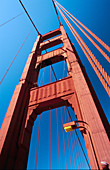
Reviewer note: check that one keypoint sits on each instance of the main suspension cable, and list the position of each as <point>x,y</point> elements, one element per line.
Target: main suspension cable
<point>98,48</point>
<point>29,17</point>
<point>15,56</point>
<point>97,67</point>
<point>96,37</point>
<point>11,19</point>
<point>56,12</point>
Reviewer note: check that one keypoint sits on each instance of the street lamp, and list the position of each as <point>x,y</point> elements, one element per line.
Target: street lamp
<point>73,125</point>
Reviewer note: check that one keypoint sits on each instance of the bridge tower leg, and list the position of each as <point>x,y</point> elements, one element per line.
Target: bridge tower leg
<point>29,100</point>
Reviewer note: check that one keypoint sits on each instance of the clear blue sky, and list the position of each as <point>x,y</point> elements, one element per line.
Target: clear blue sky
<point>95,14</point>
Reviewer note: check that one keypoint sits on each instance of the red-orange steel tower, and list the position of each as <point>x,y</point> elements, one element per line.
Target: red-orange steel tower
<point>29,100</point>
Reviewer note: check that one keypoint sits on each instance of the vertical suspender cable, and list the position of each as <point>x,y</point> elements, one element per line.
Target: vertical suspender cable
<point>39,129</point>
<point>82,149</point>
<point>37,142</point>
<point>54,72</point>
<point>79,140</point>
<point>58,138</point>
<point>75,150</point>
<point>64,69</point>
<point>68,141</point>
<point>57,121</point>
<point>73,134</point>
<point>69,113</point>
<point>75,131</point>
<point>43,76</point>
<point>50,143</point>
<point>50,133</point>
<point>72,151</point>
<point>63,139</point>
<point>69,116</point>
<point>71,141</point>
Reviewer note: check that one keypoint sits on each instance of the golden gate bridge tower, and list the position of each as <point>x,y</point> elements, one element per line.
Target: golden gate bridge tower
<point>75,90</point>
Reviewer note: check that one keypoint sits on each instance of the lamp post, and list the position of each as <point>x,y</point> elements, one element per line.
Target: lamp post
<point>73,125</point>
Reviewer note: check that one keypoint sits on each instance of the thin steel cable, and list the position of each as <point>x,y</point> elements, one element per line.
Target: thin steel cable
<point>98,48</point>
<point>90,32</point>
<point>37,142</point>
<point>63,132</point>
<point>82,149</point>
<point>72,151</point>
<point>52,69</point>
<point>15,57</point>
<point>105,85</point>
<point>50,133</point>
<point>10,19</point>
<point>54,72</point>
<point>43,76</point>
<point>29,17</point>
<point>50,143</point>
<point>76,147</point>
<point>79,140</point>
<point>39,129</point>
<point>68,141</point>
<point>75,150</point>
<point>68,113</point>
<point>64,69</point>
<point>73,137</point>
<point>75,132</point>
<point>58,138</point>
<point>71,140</point>
<point>63,140</point>
<point>39,70</point>
<point>76,135</point>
